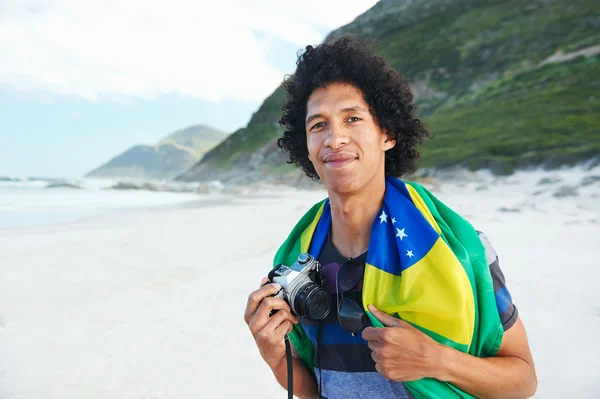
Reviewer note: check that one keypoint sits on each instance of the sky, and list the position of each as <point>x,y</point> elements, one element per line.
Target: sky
<point>82,81</point>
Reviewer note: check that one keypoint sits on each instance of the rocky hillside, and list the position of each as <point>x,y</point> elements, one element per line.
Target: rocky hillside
<point>170,157</point>
<point>501,84</point>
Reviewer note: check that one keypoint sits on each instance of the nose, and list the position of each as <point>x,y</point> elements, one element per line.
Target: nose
<point>337,136</point>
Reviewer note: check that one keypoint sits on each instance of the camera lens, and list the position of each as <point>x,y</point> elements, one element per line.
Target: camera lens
<point>312,302</point>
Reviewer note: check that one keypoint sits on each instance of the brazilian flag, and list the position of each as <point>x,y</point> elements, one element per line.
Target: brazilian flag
<point>425,265</point>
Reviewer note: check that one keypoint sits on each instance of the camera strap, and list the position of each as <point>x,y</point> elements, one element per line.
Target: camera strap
<point>290,366</point>
<point>290,372</point>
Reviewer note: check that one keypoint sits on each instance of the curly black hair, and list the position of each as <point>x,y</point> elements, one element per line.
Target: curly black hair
<point>385,90</point>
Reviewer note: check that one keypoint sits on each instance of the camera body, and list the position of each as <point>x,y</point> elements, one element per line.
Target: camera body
<point>301,287</point>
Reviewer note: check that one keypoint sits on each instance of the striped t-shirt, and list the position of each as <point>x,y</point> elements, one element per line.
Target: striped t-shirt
<point>343,363</point>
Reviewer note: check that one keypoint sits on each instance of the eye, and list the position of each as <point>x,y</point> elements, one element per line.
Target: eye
<point>317,125</point>
<point>353,119</point>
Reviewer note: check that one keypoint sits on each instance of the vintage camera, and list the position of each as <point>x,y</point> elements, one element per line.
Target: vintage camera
<point>301,287</point>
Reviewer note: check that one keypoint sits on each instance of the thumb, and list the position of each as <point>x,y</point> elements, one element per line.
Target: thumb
<point>384,318</point>
<point>264,281</point>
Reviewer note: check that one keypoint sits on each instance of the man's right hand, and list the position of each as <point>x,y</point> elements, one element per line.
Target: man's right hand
<point>269,331</point>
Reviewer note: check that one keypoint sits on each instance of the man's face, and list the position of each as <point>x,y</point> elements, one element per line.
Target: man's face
<point>345,144</point>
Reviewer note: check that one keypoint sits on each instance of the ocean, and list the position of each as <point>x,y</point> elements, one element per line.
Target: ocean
<point>31,203</point>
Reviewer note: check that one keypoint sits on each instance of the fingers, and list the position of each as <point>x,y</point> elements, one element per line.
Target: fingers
<point>384,318</point>
<point>268,330</point>
<point>256,297</point>
<point>273,338</point>
<point>279,325</point>
<point>377,350</point>
<point>374,345</point>
<point>371,334</point>
<point>267,306</point>
<point>278,318</point>
<point>383,368</point>
<point>284,328</point>
<point>264,281</point>
<point>380,369</point>
<point>375,357</point>
<point>262,316</point>
<point>274,331</point>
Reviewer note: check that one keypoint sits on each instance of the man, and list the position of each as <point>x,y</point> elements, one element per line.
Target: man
<point>448,327</point>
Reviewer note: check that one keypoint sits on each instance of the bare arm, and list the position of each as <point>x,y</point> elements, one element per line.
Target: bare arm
<point>511,374</point>
<point>404,353</point>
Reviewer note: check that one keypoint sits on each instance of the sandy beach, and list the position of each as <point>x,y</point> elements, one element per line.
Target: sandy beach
<point>148,304</point>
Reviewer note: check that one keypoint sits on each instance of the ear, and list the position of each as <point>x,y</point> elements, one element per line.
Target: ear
<point>389,142</point>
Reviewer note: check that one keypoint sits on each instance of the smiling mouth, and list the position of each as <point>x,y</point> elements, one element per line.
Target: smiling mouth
<point>338,160</point>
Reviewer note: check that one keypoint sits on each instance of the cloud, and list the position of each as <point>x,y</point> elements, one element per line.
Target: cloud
<point>144,48</point>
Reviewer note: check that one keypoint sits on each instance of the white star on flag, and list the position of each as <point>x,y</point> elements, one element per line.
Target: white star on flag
<point>393,220</point>
<point>401,234</point>
<point>382,217</point>
<point>409,254</point>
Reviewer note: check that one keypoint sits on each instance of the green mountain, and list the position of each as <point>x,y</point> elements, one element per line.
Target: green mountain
<point>168,158</point>
<point>501,84</point>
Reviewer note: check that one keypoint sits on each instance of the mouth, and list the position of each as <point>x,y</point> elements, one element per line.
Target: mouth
<point>338,160</point>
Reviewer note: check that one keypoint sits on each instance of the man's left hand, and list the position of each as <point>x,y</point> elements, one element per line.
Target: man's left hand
<point>401,352</point>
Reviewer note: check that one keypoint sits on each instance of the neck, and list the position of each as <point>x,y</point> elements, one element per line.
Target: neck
<point>352,218</point>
